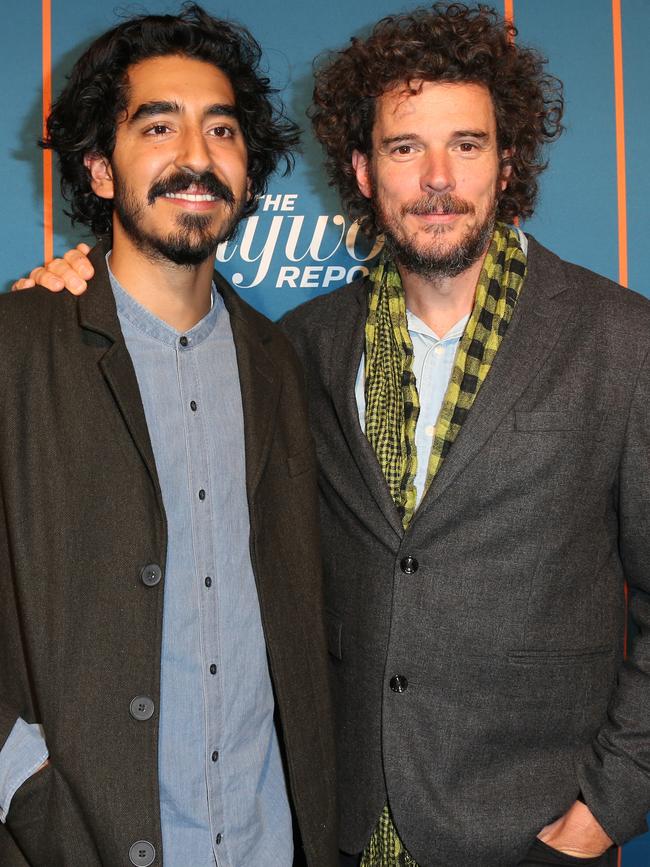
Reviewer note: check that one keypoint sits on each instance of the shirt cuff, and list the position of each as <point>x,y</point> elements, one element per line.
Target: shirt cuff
<point>23,753</point>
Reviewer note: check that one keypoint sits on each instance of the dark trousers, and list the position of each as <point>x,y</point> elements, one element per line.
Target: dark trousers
<point>539,855</point>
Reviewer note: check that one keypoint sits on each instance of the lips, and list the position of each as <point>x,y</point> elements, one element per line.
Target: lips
<point>192,188</point>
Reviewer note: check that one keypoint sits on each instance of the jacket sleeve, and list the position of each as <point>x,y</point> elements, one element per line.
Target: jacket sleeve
<point>615,776</point>
<point>21,756</point>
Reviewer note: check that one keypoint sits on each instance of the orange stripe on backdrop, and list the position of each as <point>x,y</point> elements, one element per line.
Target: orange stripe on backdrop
<point>619,93</point>
<point>621,183</point>
<point>48,228</point>
<point>509,15</point>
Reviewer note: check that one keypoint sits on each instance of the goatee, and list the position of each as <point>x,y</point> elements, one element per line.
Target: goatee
<point>195,240</point>
<point>437,261</point>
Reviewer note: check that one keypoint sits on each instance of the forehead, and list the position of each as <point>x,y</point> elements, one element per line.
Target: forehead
<point>444,106</point>
<point>185,80</point>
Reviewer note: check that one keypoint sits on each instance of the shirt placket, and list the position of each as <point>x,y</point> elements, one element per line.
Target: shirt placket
<point>203,495</point>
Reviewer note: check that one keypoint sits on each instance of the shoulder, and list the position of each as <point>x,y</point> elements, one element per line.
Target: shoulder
<point>602,303</point>
<point>33,311</point>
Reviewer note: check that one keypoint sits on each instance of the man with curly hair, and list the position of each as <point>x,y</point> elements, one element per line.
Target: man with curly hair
<point>163,679</point>
<point>480,413</point>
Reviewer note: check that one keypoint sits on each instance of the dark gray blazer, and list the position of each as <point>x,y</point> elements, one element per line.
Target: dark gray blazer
<point>502,607</point>
<point>80,630</point>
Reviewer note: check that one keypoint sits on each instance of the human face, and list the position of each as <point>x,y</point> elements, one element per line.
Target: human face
<point>434,175</point>
<point>178,172</point>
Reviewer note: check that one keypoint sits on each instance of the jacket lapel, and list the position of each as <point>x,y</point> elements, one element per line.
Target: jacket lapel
<point>259,382</point>
<point>97,313</point>
<point>533,332</point>
<point>347,350</point>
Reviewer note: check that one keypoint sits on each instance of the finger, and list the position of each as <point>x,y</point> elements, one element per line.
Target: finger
<point>59,275</point>
<point>78,261</point>
<point>23,283</point>
<point>42,277</point>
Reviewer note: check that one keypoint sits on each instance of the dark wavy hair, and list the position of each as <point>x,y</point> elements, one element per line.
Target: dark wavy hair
<point>447,43</point>
<point>85,116</point>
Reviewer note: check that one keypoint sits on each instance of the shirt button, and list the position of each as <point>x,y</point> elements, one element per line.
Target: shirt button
<point>439,350</point>
<point>430,430</point>
<point>193,405</point>
<point>409,565</point>
<point>208,581</point>
<point>215,756</point>
<point>141,708</point>
<point>151,574</point>
<point>201,494</point>
<point>142,854</point>
<point>213,669</point>
<point>183,341</point>
<point>399,683</point>
<point>218,839</point>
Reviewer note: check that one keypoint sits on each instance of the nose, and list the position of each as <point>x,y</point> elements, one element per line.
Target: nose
<point>193,152</point>
<point>437,174</point>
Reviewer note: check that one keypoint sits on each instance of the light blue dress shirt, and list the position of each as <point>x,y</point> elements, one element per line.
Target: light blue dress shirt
<point>433,363</point>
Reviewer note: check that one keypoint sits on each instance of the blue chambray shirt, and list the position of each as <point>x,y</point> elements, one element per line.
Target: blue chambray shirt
<point>223,796</point>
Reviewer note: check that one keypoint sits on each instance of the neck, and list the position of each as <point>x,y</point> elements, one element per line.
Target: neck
<point>177,294</point>
<point>441,302</point>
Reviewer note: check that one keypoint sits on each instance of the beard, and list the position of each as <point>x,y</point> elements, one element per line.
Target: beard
<point>437,260</point>
<point>195,240</point>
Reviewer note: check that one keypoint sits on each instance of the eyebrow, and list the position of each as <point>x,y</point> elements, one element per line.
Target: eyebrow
<point>411,136</point>
<point>152,109</point>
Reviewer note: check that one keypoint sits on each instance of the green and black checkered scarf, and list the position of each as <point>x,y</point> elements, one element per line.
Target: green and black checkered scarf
<point>393,406</point>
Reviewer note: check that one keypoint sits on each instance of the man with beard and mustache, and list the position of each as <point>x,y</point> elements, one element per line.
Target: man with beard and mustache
<point>163,677</point>
<point>480,414</point>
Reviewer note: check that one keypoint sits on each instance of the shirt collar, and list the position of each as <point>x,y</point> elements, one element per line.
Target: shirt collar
<point>151,326</point>
<point>417,326</point>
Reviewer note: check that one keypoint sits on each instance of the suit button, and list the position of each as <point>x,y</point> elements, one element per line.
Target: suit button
<point>141,708</point>
<point>142,854</point>
<point>151,574</point>
<point>399,683</point>
<point>409,565</point>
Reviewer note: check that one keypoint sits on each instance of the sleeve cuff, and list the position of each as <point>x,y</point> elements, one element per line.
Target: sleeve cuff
<point>23,753</point>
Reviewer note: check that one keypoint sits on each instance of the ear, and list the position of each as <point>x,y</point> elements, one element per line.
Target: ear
<point>101,175</point>
<point>506,167</point>
<point>361,166</point>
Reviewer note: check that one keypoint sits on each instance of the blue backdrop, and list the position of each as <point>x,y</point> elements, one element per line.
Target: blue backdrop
<point>299,244</point>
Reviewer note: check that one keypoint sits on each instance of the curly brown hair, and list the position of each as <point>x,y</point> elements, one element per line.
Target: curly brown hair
<point>449,43</point>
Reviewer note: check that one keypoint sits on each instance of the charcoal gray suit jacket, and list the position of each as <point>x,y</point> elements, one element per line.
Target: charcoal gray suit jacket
<point>81,514</point>
<point>477,658</point>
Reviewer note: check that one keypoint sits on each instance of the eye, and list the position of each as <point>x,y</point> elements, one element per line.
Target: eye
<point>467,146</point>
<point>157,129</point>
<point>403,150</point>
<point>222,131</point>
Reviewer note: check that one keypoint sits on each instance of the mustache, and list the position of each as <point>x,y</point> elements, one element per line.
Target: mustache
<point>444,203</point>
<point>180,181</point>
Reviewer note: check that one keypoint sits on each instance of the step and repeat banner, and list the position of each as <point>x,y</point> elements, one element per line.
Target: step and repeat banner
<point>594,194</point>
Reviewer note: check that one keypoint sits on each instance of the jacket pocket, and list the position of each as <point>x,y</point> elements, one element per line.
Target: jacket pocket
<point>47,825</point>
<point>567,421</point>
<point>556,657</point>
